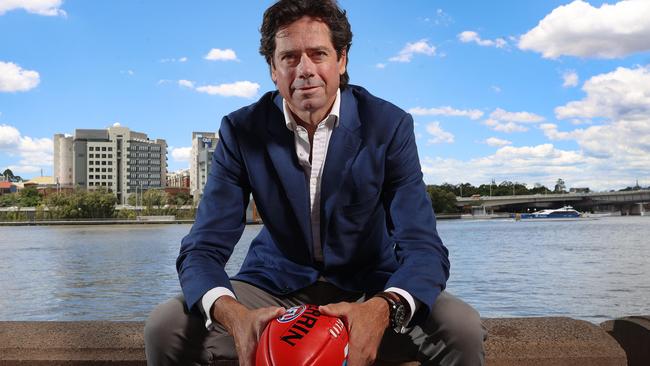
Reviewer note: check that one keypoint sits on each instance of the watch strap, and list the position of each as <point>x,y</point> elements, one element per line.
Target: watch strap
<point>396,308</point>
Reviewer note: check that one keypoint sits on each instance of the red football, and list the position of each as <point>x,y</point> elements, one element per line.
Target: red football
<point>303,336</point>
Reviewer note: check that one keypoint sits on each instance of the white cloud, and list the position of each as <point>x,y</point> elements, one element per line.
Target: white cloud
<point>495,89</point>
<point>620,94</point>
<point>181,154</point>
<point>580,29</point>
<point>627,142</point>
<point>40,7</point>
<point>31,152</point>
<point>244,89</point>
<point>532,164</point>
<point>493,141</point>
<point>439,135</point>
<point>186,84</point>
<point>570,78</point>
<point>441,18</point>
<point>217,54</point>
<point>470,36</point>
<point>380,66</point>
<point>504,121</point>
<point>167,60</point>
<point>507,127</point>
<point>13,78</point>
<point>446,111</point>
<point>420,47</point>
<point>522,117</point>
<point>9,137</point>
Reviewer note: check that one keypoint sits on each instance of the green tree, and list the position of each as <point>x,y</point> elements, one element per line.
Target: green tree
<point>29,197</point>
<point>9,176</point>
<point>81,204</point>
<point>154,197</point>
<point>560,187</point>
<point>179,198</point>
<point>9,199</point>
<point>442,200</point>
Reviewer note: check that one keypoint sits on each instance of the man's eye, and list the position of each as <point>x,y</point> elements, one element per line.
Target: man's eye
<point>289,58</point>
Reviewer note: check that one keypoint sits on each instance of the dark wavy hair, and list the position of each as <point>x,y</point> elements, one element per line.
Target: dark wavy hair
<point>285,12</point>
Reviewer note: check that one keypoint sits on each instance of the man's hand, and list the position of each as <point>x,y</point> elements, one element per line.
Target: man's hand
<point>244,325</point>
<point>366,324</point>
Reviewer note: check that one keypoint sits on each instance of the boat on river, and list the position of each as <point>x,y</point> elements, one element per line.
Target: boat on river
<point>566,212</point>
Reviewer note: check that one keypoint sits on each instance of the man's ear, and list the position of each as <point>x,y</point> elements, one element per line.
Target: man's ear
<point>343,61</point>
<point>274,75</point>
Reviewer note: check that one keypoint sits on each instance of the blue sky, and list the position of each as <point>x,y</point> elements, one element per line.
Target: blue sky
<point>526,91</point>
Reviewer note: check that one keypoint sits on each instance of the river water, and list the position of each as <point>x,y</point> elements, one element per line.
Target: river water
<point>593,270</point>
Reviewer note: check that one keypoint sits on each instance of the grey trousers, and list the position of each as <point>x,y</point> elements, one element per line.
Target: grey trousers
<point>453,334</point>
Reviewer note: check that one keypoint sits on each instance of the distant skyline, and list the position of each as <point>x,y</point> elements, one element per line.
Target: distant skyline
<point>505,90</point>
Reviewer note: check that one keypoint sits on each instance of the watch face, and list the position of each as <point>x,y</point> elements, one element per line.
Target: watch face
<point>400,316</point>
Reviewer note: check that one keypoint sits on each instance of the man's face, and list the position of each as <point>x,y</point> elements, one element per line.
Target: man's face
<point>305,68</point>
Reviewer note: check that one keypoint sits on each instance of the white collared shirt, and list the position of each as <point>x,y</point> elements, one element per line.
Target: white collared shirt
<point>314,172</point>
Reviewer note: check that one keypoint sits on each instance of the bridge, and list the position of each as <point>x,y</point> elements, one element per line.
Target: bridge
<point>628,202</point>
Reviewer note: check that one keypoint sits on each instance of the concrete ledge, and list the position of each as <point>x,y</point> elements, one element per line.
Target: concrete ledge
<point>550,341</point>
<point>511,341</point>
<point>633,334</point>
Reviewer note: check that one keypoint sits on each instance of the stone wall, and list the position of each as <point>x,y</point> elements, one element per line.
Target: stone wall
<point>511,341</point>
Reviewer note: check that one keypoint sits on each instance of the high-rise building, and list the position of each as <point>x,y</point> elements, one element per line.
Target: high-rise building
<point>179,179</point>
<point>203,145</point>
<point>62,172</point>
<point>118,159</point>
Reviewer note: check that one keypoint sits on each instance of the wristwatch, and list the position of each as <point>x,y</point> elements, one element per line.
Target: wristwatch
<point>398,310</point>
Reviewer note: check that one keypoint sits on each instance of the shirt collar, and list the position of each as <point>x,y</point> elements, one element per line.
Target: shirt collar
<point>334,112</point>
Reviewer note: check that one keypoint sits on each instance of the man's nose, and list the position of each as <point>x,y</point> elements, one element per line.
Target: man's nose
<point>305,67</point>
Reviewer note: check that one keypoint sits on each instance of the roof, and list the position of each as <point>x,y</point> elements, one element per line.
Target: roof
<point>41,180</point>
<point>6,185</point>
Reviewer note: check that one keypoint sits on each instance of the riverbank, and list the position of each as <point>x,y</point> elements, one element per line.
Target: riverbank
<point>556,341</point>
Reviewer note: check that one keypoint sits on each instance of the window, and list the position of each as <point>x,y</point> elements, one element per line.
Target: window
<point>103,176</point>
<point>103,156</point>
<point>103,148</point>
<point>110,176</point>
<point>110,184</point>
<point>110,163</point>
<point>104,162</point>
<point>90,155</point>
<point>110,170</point>
<point>110,156</point>
<point>103,170</point>
<point>110,148</point>
<point>91,163</point>
<point>91,183</point>
<point>90,148</point>
<point>90,170</point>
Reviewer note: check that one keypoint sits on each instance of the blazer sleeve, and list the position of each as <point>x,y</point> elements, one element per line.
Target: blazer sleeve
<point>220,221</point>
<point>423,259</point>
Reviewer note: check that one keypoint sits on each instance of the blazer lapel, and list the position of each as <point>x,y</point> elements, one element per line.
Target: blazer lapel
<point>343,146</point>
<point>282,150</point>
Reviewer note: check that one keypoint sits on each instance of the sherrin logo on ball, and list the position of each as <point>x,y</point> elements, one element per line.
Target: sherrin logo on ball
<point>303,337</point>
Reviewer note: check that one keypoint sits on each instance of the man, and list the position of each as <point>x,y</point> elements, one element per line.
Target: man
<point>336,178</point>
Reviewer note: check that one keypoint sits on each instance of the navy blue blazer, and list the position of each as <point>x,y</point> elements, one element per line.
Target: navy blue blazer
<point>377,224</point>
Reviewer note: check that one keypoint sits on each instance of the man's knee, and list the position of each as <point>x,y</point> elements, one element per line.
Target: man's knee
<point>461,321</point>
<point>458,326</point>
<point>157,326</point>
<point>163,327</point>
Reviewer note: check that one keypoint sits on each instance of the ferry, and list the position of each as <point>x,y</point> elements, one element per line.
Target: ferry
<point>566,212</point>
